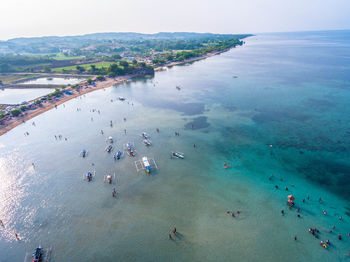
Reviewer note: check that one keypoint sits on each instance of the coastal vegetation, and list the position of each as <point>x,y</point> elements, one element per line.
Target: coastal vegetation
<point>112,54</point>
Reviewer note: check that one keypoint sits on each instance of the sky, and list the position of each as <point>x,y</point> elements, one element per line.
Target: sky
<point>27,18</point>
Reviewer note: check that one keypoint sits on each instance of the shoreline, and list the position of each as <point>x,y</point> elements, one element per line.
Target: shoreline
<point>9,125</point>
<point>194,59</point>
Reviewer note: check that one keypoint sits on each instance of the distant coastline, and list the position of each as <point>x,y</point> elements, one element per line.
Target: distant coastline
<point>85,88</point>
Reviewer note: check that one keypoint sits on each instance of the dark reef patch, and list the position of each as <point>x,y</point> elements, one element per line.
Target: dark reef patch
<point>231,108</point>
<point>198,123</point>
<point>318,143</point>
<point>318,104</point>
<point>266,115</point>
<point>331,174</point>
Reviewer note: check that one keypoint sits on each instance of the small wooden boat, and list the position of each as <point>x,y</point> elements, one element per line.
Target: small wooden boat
<point>109,148</point>
<point>147,142</point>
<point>117,155</point>
<point>177,155</point>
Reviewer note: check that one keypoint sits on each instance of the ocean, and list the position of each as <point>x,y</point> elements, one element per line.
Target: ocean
<point>256,124</point>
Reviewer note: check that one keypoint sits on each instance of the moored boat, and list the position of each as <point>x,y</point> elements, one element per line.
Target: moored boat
<point>117,155</point>
<point>177,155</point>
<point>146,164</point>
<point>110,139</point>
<point>147,142</point>
<point>37,254</point>
<point>130,149</point>
<point>109,148</point>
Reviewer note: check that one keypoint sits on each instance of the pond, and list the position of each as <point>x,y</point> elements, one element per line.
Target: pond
<point>54,81</point>
<point>16,96</point>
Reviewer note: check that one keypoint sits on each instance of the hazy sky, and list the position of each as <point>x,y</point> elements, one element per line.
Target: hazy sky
<point>73,17</point>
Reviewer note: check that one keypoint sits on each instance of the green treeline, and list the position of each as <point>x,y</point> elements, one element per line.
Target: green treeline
<point>204,49</point>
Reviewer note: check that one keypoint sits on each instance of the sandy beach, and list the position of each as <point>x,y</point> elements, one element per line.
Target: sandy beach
<point>8,125</point>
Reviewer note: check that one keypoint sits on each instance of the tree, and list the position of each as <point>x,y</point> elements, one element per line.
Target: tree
<point>124,63</point>
<point>89,81</point>
<point>1,83</point>
<point>115,70</point>
<point>38,102</point>
<point>169,57</point>
<point>2,114</point>
<point>93,68</point>
<point>134,61</point>
<point>16,112</point>
<point>117,57</point>
<point>100,78</point>
<point>47,69</point>
<point>80,68</point>
<point>23,108</point>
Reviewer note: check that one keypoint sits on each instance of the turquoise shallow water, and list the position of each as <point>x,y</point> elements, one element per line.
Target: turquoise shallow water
<point>290,91</point>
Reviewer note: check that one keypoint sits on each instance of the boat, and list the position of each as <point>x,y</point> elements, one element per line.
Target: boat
<point>177,155</point>
<point>117,155</point>
<point>109,148</point>
<point>146,164</point>
<point>147,142</point>
<point>110,139</point>
<point>37,254</point>
<point>178,87</point>
<point>121,98</point>
<point>145,135</point>
<point>40,254</point>
<point>130,149</point>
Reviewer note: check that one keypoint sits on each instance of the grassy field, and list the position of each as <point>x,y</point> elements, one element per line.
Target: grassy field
<point>61,57</point>
<point>86,66</point>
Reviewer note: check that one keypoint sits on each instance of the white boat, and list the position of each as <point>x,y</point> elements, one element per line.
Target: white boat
<point>110,139</point>
<point>121,98</point>
<point>146,164</point>
<point>177,155</point>
<point>147,142</point>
